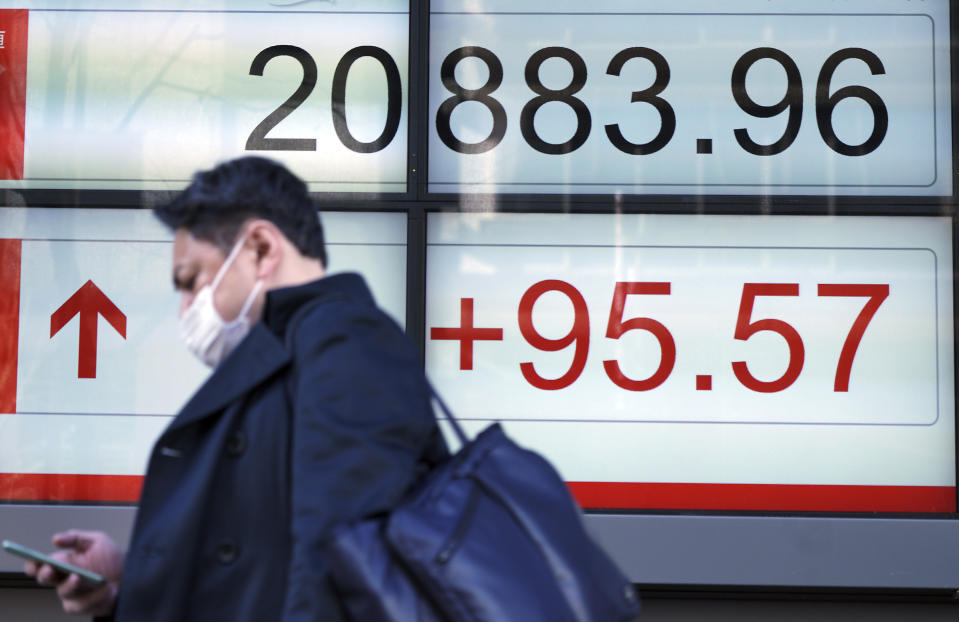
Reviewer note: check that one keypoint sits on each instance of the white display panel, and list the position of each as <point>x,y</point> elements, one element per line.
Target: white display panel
<point>777,351</point>
<point>74,408</point>
<point>704,97</point>
<point>139,96</point>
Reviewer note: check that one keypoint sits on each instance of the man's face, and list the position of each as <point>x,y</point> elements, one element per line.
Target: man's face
<point>195,265</point>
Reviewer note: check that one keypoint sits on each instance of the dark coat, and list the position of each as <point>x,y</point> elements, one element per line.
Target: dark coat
<point>287,438</point>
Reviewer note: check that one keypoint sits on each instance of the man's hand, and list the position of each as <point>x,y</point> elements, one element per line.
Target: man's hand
<point>93,550</point>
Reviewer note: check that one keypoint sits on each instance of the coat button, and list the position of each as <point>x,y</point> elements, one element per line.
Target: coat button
<point>236,444</point>
<point>226,551</point>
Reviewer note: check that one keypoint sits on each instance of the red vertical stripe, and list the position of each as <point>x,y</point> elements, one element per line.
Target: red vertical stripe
<point>9,323</point>
<point>13,91</point>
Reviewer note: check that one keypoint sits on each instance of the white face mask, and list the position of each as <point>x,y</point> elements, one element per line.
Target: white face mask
<point>205,333</point>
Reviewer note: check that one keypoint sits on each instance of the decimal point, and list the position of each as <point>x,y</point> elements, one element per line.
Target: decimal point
<point>704,145</point>
<point>704,383</point>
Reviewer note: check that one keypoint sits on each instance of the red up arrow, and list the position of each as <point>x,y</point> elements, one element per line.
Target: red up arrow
<point>88,302</point>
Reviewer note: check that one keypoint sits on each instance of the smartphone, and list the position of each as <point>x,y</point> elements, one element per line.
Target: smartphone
<point>26,553</point>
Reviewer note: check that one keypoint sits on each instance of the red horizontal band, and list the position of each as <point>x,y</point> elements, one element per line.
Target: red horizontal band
<point>70,487</point>
<point>590,495</point>
<point>764,497</point>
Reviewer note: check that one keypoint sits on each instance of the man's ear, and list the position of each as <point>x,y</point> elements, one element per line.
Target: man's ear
<point>265,239</point>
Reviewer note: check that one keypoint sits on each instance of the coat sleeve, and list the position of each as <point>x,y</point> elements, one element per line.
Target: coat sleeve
<point>360,425</point>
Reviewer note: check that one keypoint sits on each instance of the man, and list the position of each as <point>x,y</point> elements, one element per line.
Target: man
<point>317,413</point>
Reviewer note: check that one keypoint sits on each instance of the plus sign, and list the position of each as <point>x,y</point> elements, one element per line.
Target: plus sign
<point>466,334</point>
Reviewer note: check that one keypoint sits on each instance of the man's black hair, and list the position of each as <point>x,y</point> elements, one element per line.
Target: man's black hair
<point>218,201</point>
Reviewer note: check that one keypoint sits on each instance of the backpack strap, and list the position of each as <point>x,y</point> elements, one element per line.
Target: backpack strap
<point>460,434</point>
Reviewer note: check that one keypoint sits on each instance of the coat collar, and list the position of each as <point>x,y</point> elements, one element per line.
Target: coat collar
<point>283,304</point>
<point>255,359</point>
